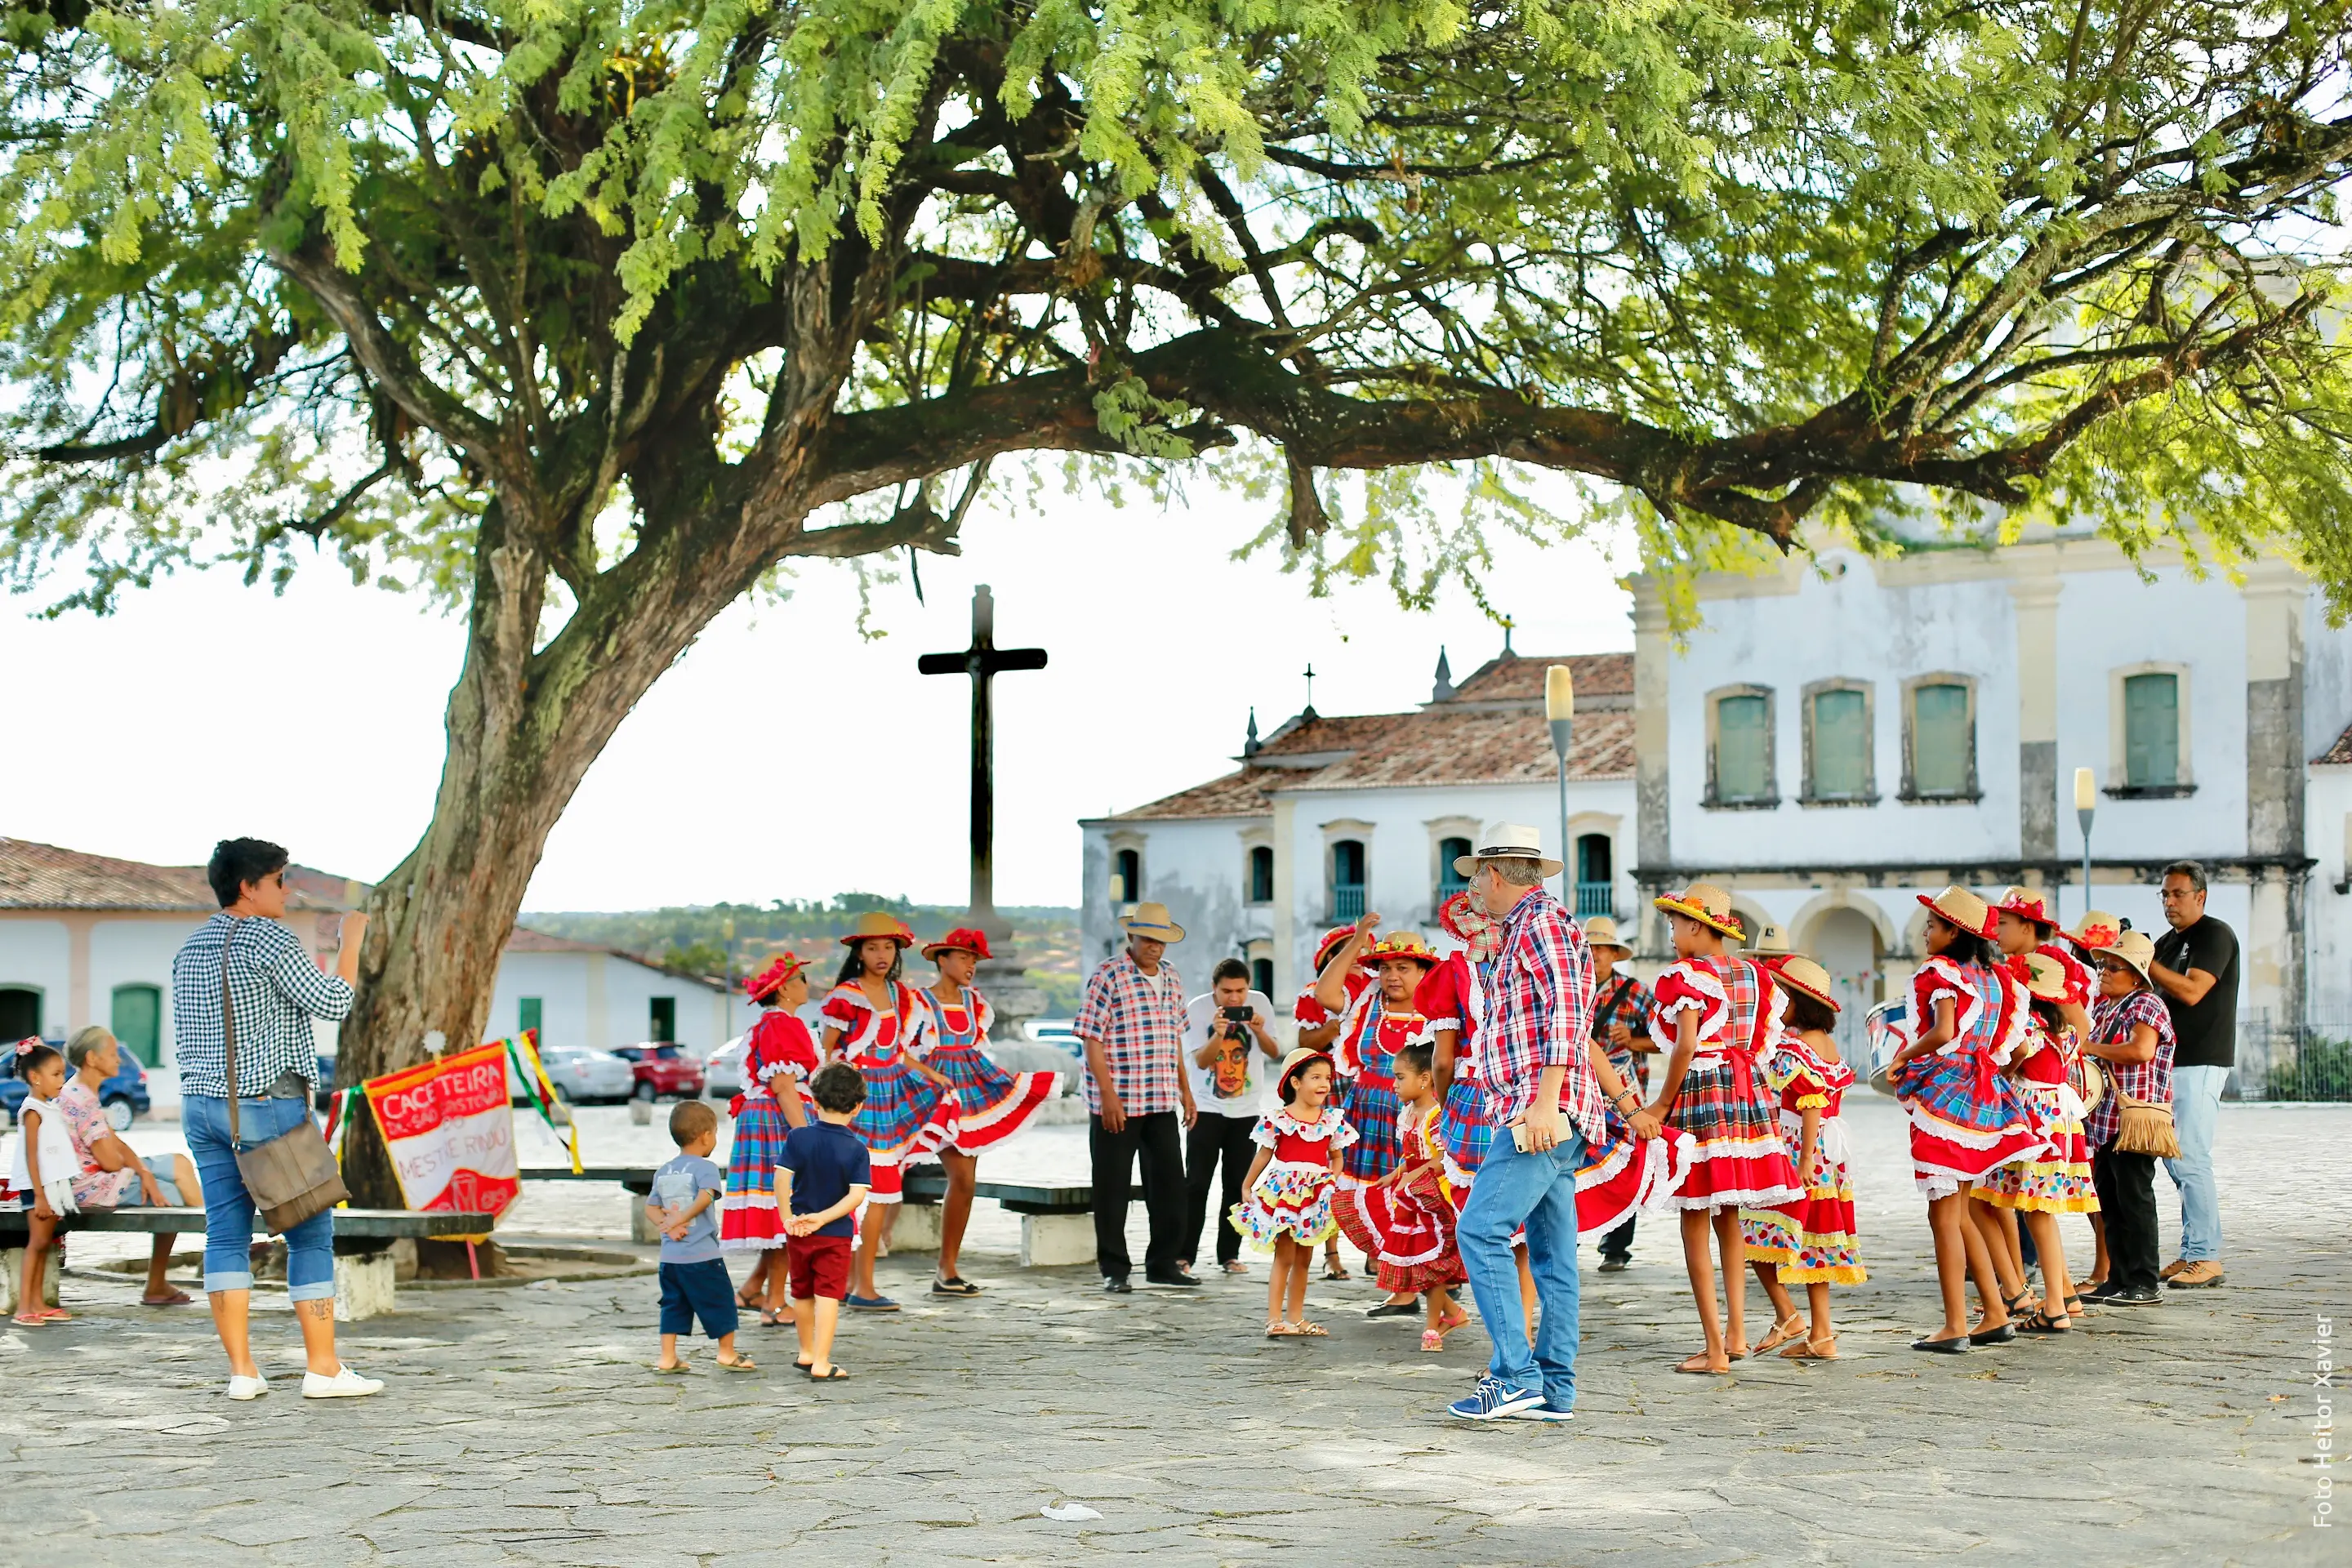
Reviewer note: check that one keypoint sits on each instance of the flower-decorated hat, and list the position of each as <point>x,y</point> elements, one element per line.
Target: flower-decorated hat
<point>874,923</point>
<point>1402,944</point>
<point>963,939</point>
<point>1333,940</point>
<point>2044,976</point>
<point>1800,973</point>
<point>2095,930</point>
<point>1707,904</point>
<point>1963,909</point>
<point>773,978</point>
<point>2026,905</point>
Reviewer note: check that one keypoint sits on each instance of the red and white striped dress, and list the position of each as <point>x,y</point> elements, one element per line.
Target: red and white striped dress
<point>1967,1120</point>
<point>990,1104</point>
<point>1737,1158</point>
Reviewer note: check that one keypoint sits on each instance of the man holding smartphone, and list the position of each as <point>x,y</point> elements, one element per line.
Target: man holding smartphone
<point>1224,1034</point>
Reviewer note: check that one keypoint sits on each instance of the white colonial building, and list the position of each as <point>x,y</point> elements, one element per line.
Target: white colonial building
<point>1835,738</point>
<point>88,939</point>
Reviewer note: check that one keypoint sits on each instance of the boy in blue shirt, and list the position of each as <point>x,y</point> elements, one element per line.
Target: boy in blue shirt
<point>694,1281</point>
<point>822,1177</point>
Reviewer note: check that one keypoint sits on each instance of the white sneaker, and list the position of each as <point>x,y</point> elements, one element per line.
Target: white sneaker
<point>345,1384</point>
<point>247,1388</point>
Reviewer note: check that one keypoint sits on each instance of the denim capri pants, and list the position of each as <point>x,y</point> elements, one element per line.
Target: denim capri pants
<point>228,1207</point>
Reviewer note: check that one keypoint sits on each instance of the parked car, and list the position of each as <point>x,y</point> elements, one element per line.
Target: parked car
<point>1059,1034</point>
<point>124,1095</point>
<point>662,1069</point>
<point>723,1071</point>
<point>586,1077</point>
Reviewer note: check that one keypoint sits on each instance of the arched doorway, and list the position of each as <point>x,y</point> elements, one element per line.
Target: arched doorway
<point>1845,942</point>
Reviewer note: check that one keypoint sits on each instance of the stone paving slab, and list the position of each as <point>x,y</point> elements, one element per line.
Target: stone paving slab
<point>521,1427</point>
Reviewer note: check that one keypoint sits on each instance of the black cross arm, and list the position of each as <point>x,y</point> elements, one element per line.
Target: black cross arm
<point>1019,659</point>
<point>943,664</point>
<point>992,661</point>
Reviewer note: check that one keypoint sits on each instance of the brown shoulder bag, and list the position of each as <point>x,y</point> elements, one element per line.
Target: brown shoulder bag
<point>294,1175</point>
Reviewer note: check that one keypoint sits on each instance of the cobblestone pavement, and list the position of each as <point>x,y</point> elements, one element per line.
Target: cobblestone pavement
<point>520,1425</point>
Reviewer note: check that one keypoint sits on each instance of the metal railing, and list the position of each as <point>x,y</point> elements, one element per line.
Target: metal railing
<point>2277,1060</point>
<point>1347,900</point>
<point>1596,899</point>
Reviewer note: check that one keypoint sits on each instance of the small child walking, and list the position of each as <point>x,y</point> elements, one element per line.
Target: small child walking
<point>694,1282</point>
<point>44,1171</point>
<point>1288,1209</point>
<point>823,1175</point>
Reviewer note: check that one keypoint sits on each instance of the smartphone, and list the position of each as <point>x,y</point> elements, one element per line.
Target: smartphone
<point>1520,1136</point>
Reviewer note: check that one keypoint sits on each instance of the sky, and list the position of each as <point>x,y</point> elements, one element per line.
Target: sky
<point>784,756</point>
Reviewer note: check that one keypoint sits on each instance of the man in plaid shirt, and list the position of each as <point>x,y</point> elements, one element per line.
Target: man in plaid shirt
<point>1533,1067</point>
<point>1132,1026</point>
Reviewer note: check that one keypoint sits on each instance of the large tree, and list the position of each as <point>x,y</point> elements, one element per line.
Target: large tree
<point>590,313</point>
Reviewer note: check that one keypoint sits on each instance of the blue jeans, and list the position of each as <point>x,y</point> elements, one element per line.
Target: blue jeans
<point>1537,1192</point>
<point>2196,1107</point>
<point>228,1207</point>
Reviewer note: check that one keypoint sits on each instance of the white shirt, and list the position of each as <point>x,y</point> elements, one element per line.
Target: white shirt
<point>1257,1068</point>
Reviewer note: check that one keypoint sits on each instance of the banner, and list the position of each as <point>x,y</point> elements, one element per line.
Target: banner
<point>449,1130</point>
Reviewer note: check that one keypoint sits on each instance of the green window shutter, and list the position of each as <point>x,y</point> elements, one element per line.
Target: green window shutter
<point>2152,730</point>
<point>1742,746</point>
<point>1940,741</point>
<point>137,1021</point>
<point>529,1010</point>
<point>1840,745</point>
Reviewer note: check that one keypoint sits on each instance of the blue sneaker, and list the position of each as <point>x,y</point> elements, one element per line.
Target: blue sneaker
<point>1490,1401</point>
<point>1549,1410</point>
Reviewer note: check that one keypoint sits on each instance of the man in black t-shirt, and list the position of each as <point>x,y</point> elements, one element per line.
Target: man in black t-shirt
<point>2196,969</point>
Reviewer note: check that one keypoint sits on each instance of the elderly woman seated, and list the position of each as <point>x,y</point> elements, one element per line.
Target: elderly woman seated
<point>112,1174</point>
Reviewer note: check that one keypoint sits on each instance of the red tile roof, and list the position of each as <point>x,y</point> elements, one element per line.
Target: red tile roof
<point>2338,753</point>
<point>1479,748</point>
<point>45,876</point>
<point>1520,678</point>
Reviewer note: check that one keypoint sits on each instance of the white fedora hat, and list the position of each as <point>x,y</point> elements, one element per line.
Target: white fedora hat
<point>1507,841</point>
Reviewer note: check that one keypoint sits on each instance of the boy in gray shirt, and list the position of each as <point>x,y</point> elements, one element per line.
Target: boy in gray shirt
<point>682,1205</point>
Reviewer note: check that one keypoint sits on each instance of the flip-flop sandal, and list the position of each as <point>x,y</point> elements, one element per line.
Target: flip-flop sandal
<point>1337,1276</point>
<point>1781,1335</point>
<point>669,1371</point>
<point>30,1321</point>
<point>1696,1366</point>
<point>956,1287</point>
<point>56,1315</point>
<point>741,1363</point>
<point>1235,1266</point>
<point>177,1299</point>
<point>832,1374</point>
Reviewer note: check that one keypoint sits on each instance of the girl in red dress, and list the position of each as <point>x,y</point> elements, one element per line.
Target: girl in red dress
<point>1810,1240</point>
<point>1967,1121</point>
<point>988,1104</point>
<point>779,1057</point>
<point>877,1022</point>
<point>1405,1214</point>
<point>1288,1210</point>
<point>1718,1018</point>
<point>2057,1181</point>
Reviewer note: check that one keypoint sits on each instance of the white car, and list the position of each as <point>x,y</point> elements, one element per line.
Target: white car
<point>1059,1034</point>
<point>583,1077</point>
<point>723,1071</point>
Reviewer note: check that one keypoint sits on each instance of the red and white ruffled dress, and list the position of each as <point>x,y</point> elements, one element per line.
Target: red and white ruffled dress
<point>905,1113</point>
<point>1627,1174</point>
<point>2057,1179</point>
<point>990,1104</point>
<point>747,1220</point>
<point>1406,1226</point>
<point>1810,1239</point>
<point>1293,1195</point>
<point>1967,1120</point>
<point>1737,1159</point>
<point>1454,996</point>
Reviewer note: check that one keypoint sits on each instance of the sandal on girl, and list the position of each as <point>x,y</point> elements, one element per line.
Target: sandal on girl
<point>1279,1331</point>
<point>1337,1273</point>
<point>1431,1340</point>
<point>30,1321</point>
<point>1783,1330</point>
<point>57,1314</point>
<point>1824,1349</point>
<point>1311,1331</point>
<point>2037,1322</point>
<point>1696,1366</point>
<point>1451,1321</point>
<point>2020,1302</point>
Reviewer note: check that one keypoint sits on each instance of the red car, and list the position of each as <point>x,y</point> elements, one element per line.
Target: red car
<point>663,1070</point>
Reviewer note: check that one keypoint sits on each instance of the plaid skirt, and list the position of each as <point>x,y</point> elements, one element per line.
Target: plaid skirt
<point>904,1113</point>
<point>747,1220</point>
<point>1965,1125</point>
<point>1370,1107</point>
<point>990,1104</point>
<point>2057,1179</point>
<point>1737,1159</point>
<point>1465,1130</point>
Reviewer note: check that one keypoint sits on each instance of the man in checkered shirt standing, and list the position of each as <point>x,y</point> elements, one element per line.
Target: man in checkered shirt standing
<point>274,989</point>
<point>1533,1069</point>
<point>1132,1026</point>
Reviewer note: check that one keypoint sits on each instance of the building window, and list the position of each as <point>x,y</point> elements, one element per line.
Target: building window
<point>2152,730</point>
<point>1449,880</point>
<point>529,1010</point>
<point>1127,877</point>
<point>1838,743</point>
<point>1939,738</point>
<point>1596,886</point>
<point>1347,879</point>
<point>1262,976</point>
<point>1261,875</point>
<point>1739,748</point>
<point>136,1019</point>
<point>664,1018</point>
<point>20,1012</point>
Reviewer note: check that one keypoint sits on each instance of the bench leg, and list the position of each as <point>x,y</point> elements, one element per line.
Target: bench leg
<point>363,1287</point>
<point>917,1228</point>
<point>1056,1240</point>
<point>12,1270</point>
<point>642,1230</point>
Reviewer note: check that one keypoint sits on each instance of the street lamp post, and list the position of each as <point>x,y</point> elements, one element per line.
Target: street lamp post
<point>2086,795</point>
<point>1559,708</point>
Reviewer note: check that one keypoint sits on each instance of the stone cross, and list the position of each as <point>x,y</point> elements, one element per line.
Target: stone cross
<point>982,662</point>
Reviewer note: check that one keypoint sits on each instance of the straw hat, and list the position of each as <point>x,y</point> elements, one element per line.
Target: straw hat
<point>1333,940</point>
<point>1599,931</point>
<point>1707,904</point>
<point>874,923</point>
<point>2045,977</point>
<point>2026,906</point>
<point>1152,921</point>
<point>1770,941</point>
<point>773,978</point>
<point>963,939</point>
<point>1509,841</point>
<point>1963,909</point>
<point>1298,1062</point>
<point>2095,930</point>
<point>1402,944</point>
<point>1803,974</point>
<point>2134,948</point>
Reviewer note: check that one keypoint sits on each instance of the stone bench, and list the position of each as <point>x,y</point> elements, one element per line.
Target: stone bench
<point>1057,1224</point>
<point>637,1179</point>
<point>363,1238</point>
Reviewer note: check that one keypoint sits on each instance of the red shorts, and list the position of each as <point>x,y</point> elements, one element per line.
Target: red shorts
<point>817,1265</point>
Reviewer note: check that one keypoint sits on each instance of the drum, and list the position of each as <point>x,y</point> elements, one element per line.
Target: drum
<point>1889,1025</point>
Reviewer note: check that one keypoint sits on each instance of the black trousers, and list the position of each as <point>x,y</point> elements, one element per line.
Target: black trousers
<point>2126,1187</point>
<point>1215,1139</point>
<point>1619,1243</point>
<point>1157,1141</point>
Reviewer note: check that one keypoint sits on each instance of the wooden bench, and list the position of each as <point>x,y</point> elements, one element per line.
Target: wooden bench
<point>363,1238</point>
